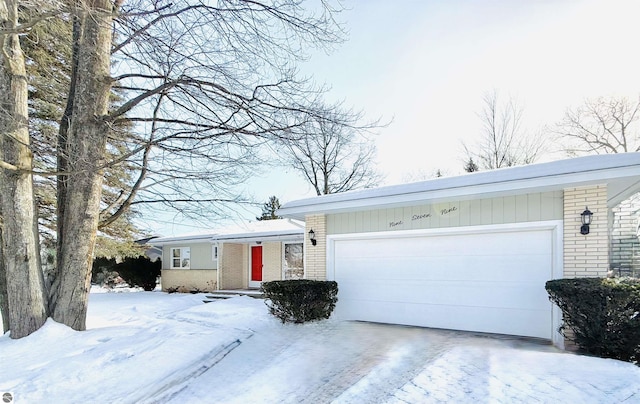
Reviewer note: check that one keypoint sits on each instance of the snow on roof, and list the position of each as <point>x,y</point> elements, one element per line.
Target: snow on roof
<point>262,229</point>
<point>620,171</point>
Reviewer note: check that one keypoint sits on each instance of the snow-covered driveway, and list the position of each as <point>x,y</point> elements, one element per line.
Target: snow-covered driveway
<point>151,347</point>
<point>351,362</point>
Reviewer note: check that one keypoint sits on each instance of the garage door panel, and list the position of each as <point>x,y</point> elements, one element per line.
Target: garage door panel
<point>499,321</point>
<point>452,268</point>
<point>490,244</point>
<point>490,282</point>
<point>454,293</point>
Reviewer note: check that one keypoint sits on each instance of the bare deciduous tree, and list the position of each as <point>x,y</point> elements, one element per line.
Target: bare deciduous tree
<point>202,86</point>
<point>333,157</point>
<point>603,125</point>
<point>503,142</point>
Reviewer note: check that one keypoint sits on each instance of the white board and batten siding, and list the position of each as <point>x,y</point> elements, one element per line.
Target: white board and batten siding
<point>474,266</point>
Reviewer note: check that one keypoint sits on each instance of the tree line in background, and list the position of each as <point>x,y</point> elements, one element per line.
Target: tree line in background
<point>114,106</point>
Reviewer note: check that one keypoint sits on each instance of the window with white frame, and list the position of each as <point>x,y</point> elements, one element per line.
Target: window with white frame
<point>214,254</point>
<point>293,261</point>
<point>181,258</point>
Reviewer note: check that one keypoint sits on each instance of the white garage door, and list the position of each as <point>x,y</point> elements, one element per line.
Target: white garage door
<point>487,282</point>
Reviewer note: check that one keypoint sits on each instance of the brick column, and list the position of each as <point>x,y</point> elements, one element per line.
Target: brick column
<point>586,255</point>
<point>315,256</point>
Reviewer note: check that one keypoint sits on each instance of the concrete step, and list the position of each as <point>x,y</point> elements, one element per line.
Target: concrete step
<point>226,294</point>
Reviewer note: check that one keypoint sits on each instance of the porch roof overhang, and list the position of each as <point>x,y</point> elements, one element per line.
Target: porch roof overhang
<point>621,173</point>
<point>187,238</point>
<point>267,230</point>
<point>255,237</point>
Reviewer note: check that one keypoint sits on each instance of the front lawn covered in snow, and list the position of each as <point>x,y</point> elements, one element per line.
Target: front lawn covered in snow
<point>157,347</point>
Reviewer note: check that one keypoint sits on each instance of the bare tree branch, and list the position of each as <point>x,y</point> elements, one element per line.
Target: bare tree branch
<point>603,125</point>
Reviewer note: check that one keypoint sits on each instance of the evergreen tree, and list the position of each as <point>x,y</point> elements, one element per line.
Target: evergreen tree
<point>47,49</point>
<point>470,166</point>
<point>269,209</point>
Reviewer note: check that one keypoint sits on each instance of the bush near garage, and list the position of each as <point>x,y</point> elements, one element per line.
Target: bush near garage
<point>300,300</point>
<point>140,271</point>
<point>602,313</point>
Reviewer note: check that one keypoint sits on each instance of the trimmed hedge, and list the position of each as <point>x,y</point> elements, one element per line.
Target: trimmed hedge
<point>300,300</point>
<point>602,313</point>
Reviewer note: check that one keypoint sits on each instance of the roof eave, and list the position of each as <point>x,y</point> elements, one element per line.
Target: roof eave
<point>463,192</point>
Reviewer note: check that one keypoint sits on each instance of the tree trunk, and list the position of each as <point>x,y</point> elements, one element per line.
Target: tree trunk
<point>27,307</point>
<point>62,155</point>
<point>4,299</point>
<point>86,146</point>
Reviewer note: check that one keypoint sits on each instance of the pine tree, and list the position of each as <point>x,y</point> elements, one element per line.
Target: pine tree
<point>470,166</point>
<point>269,209</point>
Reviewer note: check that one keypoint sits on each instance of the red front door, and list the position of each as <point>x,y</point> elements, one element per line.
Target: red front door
<point>256,263</point>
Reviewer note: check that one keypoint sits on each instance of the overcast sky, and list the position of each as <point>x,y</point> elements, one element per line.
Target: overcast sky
<point>426,64</point>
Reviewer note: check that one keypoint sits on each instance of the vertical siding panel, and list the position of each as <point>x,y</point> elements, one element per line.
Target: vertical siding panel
<point>546,206</point>
<point>522,208</point>
<point>509,209</point>
<point>454,218</point>
<point>558,212</point>
<point>398,216</point>
<point>382,220</point>
<point>475,212</point>
<point>533,208</point>
<point>497,211</point>
<point>436,219</point>
<point>366,221</point>
<point>358,222</point>
<point>464,213</point>
<point>343,221</point>
<point>375,221</point>
<point>485,213</point>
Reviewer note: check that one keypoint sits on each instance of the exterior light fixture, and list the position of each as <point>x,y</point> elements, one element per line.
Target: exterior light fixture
<point>312,237</point>
<point>586,217</point>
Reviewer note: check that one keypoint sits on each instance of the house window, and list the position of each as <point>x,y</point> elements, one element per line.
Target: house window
<point>293,261</point>
<point>214,254</point>
<point>180,258</point>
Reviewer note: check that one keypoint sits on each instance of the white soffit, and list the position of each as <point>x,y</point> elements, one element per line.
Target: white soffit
<point>620,171</point>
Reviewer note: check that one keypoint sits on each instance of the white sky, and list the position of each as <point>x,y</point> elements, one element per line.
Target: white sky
<point>426,65</point>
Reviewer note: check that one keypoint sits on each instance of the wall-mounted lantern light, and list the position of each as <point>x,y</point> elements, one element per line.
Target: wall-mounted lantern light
<point>586,217</point>
<point>312,237</point>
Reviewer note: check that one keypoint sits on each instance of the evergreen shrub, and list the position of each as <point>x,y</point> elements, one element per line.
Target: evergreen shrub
<point>602,313</point>
<point>140,271</point>
<point>103,273</point>
<point>300,300</point>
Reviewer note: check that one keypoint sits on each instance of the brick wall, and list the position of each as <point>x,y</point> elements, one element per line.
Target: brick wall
<point>186,280</point>
<point>315,256</point>
<point>586,255</point>
<point>271,261</point>
<point>231,266</point>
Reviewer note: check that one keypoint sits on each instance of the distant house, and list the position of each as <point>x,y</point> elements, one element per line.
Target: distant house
<point>234,258</point>
<point>473,252</point>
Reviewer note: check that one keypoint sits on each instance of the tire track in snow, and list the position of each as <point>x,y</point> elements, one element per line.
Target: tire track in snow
<point>187,375</point>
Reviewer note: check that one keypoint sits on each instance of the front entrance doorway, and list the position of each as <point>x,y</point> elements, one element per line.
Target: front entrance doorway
<point>255,272</point>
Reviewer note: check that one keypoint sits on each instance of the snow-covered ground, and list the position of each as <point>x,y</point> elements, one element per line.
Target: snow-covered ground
<point>157,347</point>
